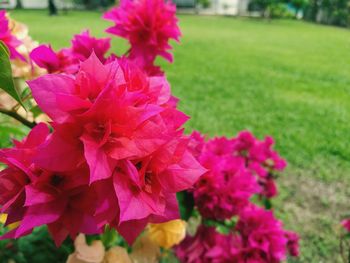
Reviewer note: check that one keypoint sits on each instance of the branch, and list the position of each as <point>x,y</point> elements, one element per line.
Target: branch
<point>18,117</point>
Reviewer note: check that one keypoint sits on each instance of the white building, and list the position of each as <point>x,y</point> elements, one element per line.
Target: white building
<point>217,7</point>
<point>33,4</point>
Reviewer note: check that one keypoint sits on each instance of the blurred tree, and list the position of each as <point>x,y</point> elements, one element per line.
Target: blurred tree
<point>299,5</point>
<point>52,8</point>
<point>19,4</point>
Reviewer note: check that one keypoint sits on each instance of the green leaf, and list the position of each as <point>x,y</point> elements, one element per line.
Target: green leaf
<point>36,111</point>
<point>186,204</point>
<point>6,80</point>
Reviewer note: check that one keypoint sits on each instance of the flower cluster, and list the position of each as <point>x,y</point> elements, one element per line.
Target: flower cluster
<point>207,246</point>
<point>238,169</point>
<point>148,25</point>
<point>257,237</point>
<point>67,60</point>
<point>117,155</point>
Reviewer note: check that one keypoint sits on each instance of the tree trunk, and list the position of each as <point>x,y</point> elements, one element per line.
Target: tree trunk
<point>19,4</point>
<point>52,8</point>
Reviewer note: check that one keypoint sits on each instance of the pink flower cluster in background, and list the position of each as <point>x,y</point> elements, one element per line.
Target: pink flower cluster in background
<point>238,169</point>
<point>257,237</point>
<point>67,60</point>
<point>148,25</point>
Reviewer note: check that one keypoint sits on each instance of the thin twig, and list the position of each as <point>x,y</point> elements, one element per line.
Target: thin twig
<point>18,117</point>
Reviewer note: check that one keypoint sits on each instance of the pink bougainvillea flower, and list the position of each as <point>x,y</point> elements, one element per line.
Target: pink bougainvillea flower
<point>258,157</point>
<point>36,196</point>
<point>207,246</point>
<point>148,25</point>
<point>118,120</point>
<point>18,175</point>
<point>63,201</point>
<point>261,235</point>
<point>68,60</point>
<point>45,57</point>
<point>83,44</point>
<point>293,243</point>
<point>225,189</point>
<point>346,224</point>
<point>8,38</point>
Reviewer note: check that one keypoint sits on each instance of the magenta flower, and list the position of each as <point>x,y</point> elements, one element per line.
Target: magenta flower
<point>262,236</point>
<point>293,243</point>
<point>68,60</point>
<point>346,224</point>
<point>84,44</point>
<point>36,196</point>
<point>17,175</point>
<point>207,246</point>
<point>148,25</point>
<point>7,38</point>
<point>54,62</point>
<point>258,156</point>
<point>225,189</point>
<point>120,125</point>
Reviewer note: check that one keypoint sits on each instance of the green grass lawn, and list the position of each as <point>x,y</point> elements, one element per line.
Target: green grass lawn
<point>287,79</point>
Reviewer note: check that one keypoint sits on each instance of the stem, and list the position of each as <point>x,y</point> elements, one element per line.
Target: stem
<point>18,117</point>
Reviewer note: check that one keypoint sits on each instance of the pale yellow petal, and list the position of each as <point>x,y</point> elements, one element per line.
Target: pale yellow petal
<point>168,234</point>
<point>145,251</point>
<point>117,255</point>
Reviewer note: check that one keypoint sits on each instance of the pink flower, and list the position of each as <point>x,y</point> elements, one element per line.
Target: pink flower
<point>262,236</point>
<point>148,25</point>
<point>17,175</point>
<point>346,224</point>
<point>207,246</point>
<point>84,44</point>
<point>36,196</point>
<point>8,38</point>
<point>45,57</point>
<point>119,121</point>
<point>293,243</point>
<point>67,60</point>
<point>258,156</point>
<point>225,189</point>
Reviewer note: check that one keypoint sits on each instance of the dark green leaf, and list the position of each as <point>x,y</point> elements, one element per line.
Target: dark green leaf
<point>186,204</point>
<point>6,80</point>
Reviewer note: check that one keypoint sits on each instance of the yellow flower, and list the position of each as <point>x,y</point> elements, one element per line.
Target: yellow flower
<point>168,234</point>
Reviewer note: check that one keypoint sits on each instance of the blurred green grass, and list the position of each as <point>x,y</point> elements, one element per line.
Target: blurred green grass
<point>287,79</point>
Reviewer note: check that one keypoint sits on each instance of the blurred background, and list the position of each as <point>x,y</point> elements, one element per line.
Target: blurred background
<point>275,67</point>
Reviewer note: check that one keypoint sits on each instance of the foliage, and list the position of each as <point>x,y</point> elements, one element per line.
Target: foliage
<point>332,12</point>
<point>36,247</point>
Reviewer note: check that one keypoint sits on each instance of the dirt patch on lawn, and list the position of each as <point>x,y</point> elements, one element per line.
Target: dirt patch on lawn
<point>314,208</point>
